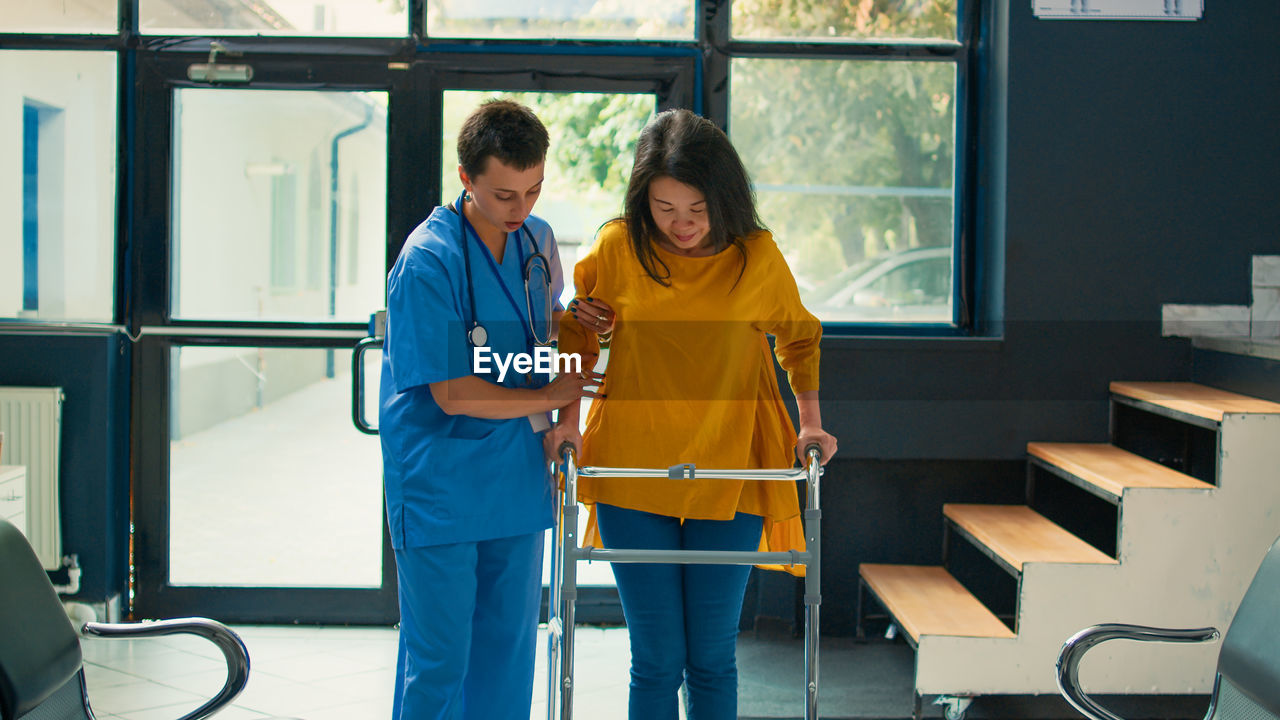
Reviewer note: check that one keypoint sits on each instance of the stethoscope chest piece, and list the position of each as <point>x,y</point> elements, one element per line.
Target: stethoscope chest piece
<point>477,335</point>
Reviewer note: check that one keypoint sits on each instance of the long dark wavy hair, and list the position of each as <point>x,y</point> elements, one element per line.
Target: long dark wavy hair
<point>690,149</point>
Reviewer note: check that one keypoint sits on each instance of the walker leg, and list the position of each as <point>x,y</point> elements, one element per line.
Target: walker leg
<point>553,665</point>
<point>554,633</point>
<point>569,595</point>
<point>566,667</point>
<point>811,662</point>
<point>812,603</point>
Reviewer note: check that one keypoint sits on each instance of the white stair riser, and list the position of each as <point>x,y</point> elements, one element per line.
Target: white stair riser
<point>1264,317</point>
<point>1186,558</point>
<point>1266,271</point>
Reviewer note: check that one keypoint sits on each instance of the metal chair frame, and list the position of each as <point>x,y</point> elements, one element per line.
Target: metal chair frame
<point>41,662</point>
<point>233,650</point>
<point>1247,683</point>
<point>1068,665</point>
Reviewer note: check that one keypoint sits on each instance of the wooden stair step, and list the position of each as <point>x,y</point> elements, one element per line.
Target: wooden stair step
<point>1111,469</point>
<point>1016,534</point>
<point>927,600</point>
<point>1193,399</point>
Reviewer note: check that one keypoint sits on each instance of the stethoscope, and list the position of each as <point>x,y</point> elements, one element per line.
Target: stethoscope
<point>477,335</point>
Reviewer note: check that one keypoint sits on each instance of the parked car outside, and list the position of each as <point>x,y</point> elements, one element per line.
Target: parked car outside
<point>908,286</point>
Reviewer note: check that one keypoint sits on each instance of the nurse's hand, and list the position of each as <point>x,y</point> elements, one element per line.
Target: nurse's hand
<point>559,434</point>
<point>569,387</point>
<point>593,314</point>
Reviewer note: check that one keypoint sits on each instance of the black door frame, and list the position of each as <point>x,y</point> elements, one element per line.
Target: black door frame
<point>415,83</point>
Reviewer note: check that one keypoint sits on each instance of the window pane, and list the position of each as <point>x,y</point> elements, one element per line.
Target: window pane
<point>853,163</point>
<point>57,185</point>
<point>658,19</point>
<point>593,141</point>
<point>791,19</point>
<point>280,204</point>
<point>277,17</point>
<point>270,483</point>
<point>84,16</point>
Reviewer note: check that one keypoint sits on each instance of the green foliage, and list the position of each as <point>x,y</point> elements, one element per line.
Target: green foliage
<point>593,135</point>
<point>820,137</point>
<point>852,19</point>
<point>603,19</point>
<point>831,131</point>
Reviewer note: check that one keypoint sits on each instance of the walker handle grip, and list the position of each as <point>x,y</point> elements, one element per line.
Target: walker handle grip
<point>814,451</point>
<point>566,447</point>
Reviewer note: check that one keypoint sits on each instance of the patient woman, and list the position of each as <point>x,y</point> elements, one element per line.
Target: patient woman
<point>686,286</point>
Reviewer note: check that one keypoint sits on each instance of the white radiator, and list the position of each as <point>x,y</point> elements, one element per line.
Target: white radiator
<point>31,420</point>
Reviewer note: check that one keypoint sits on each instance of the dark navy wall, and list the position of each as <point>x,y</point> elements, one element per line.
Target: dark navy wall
<point>1141,157</point>
<point>1256,376</point>
<point>93,372</point>
<point>1138,168</point>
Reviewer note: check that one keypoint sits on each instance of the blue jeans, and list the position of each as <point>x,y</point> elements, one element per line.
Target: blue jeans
<point>682,619</point>
<point>468,629</point>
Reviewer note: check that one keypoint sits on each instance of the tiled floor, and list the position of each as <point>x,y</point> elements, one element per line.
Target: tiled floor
<point>310,673</point>
<point>329,673</point>
<point>306,672</point>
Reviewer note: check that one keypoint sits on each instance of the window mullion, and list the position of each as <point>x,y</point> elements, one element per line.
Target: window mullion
<point>127,16</point>
<point>714,41</point>
<point>940,51</point>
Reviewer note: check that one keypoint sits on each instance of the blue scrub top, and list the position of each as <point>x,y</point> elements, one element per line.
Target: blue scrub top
<point>459,478</point>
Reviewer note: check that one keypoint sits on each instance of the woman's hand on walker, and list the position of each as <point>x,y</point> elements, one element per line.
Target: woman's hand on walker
<point>558,435</point>
<point>815,436</point>
<point>593,314</point>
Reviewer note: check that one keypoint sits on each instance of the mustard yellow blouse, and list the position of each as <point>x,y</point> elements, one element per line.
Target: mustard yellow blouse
<point>690,379</point>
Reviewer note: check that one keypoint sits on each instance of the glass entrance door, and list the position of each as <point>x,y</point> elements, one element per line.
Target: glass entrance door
<point>268,219</point>
<point>257,435</point>
<point>260,501</point>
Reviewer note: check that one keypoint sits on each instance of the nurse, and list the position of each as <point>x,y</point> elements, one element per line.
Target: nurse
<point>467,484</point>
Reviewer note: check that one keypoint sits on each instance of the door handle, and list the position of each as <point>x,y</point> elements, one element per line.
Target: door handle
<point>357,384</point>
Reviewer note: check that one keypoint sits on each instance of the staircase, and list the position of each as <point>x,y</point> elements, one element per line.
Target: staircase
<point>1163,526</point>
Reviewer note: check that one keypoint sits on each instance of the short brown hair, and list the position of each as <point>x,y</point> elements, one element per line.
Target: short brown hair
<point>503,129</point>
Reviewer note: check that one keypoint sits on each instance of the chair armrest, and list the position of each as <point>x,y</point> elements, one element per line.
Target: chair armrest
<point>233,650</point>
<point>1077,645</point>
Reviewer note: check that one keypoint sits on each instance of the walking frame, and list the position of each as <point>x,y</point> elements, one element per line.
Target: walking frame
<point>565,553</point>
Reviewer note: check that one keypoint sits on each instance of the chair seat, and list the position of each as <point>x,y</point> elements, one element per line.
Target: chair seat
<point>41,664</point>
<point>66,703</point>
<point>39,650</point>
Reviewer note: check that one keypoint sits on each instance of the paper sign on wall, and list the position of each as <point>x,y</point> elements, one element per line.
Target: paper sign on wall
<point>1119,9</point>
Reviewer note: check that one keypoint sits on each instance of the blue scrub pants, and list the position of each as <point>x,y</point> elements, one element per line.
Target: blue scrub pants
<point>468,629</point>
<point>682,619</point>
